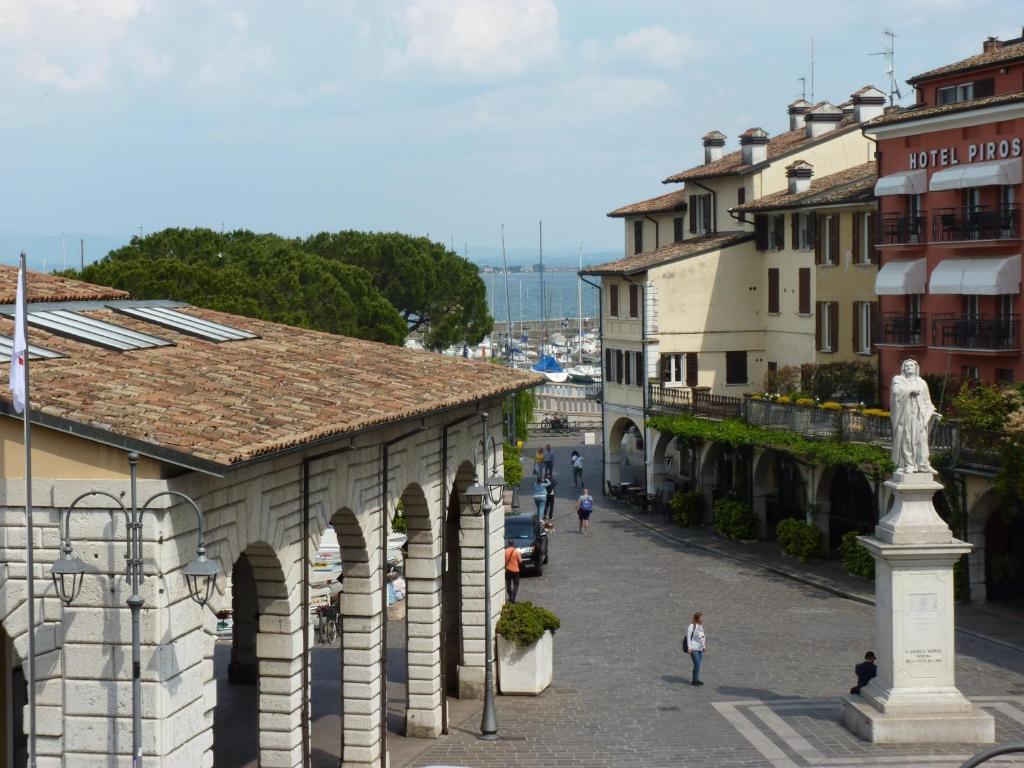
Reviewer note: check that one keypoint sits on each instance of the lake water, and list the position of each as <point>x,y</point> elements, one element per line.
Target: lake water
<point>560,296</point>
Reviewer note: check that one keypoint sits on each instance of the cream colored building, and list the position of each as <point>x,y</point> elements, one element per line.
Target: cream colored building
<point>695,277</point>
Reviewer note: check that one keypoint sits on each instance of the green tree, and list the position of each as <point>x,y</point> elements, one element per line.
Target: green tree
<point>439,294</point>
<point>262,276</point>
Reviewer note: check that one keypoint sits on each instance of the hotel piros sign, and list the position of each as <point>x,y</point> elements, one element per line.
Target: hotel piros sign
<point>971,153</point>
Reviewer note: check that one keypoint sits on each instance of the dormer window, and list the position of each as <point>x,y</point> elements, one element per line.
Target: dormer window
<point>976,89</point>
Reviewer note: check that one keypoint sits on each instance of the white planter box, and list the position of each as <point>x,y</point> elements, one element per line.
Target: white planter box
<point>525,671</point>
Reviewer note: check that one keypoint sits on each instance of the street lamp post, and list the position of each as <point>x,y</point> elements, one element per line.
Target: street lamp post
<point>69,571</point>
<point>480,499</point>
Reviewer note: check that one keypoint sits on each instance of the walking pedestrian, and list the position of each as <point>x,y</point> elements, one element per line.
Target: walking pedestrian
<point>584,506</point>
<point>513,561</point>
<point>549,461</point>
<point>549,500</point>
<point>865,671</point>
<point>696,644</point>
<point>577,470</point>
<point>540,495</point>
<point>538,462</point>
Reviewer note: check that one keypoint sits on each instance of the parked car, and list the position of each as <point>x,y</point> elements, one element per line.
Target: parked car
<point>530,538</point>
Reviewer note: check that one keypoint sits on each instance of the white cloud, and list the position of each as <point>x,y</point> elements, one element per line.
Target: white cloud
<point>66,44</point>
<point>480,39</point>
<point>235,55</point>
<point>656,47</point>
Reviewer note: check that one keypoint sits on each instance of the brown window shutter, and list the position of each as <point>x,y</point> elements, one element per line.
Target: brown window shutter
<point>872,237</point>
<point>805,291</point>
<point>873,311</point>
<point>856,326</point>
<point>707,213</point>
<point>741,198</point>
<point>858,220</point>
<point>693,214</point>
<point>691,369</point>
<point>773,290</point>
<point>984,87</point>
<point>677,229</point>
<point>780,231</point>
<point>815,236</point>
<point>794,230</point>
<point>613,300</point>
<point>641,374</point>
<point>817,326</point>
<point>618,366</point>
<point>638,236</point>
<point>628,365</point>
<point>634,301</point>
<point>608,365</point>
<point>833,331</point>
<point>761,232</point>
<point>663,363</point>
<point>833,238</point>
<point>678,376</point>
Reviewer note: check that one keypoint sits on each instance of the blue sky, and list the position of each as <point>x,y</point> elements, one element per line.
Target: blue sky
<point>445,117</point>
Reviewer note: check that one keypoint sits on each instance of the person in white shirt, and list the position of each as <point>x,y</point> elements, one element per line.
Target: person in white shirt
<point>696,644</point>
<point>577,469</point>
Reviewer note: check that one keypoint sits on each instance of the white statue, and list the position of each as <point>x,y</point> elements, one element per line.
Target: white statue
<point>912,413</point>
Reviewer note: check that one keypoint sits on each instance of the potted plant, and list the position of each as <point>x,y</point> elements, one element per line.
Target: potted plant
<point>525,648</point>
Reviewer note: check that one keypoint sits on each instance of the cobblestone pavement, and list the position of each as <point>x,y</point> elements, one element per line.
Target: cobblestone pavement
<point>780,654</point>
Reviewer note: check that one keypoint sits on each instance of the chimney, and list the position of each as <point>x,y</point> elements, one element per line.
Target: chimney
<point>714,142</point>
<point>821,118</point>
<point>868,103</point>
<point>798,174</point>
<point>754,146</point>
<point>796,112</point>
<point>991,44</point>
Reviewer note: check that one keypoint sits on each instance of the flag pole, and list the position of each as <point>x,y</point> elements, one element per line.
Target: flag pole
<point>29,557</point>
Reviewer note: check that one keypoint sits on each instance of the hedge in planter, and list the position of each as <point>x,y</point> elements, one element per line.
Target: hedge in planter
<point>735,520</point>
<point>856,558</point>
<point>525,623</point>
<point>513,465</point>
<point>687,508</point>
<point>799,539</point>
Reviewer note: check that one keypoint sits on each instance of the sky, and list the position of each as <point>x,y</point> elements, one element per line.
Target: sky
<point>440,117</point>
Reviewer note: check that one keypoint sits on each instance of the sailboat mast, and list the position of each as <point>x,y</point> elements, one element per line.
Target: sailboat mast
<point>579,303</point>
<point>543,306</point>
<point>508,302</point>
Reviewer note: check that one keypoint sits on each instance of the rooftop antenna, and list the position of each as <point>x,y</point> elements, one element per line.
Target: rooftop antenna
<point>803,88</point>
<point>890,58</point>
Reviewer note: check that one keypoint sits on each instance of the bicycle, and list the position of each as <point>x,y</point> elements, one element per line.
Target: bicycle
<point>556,423</point>
<point>327,623</point>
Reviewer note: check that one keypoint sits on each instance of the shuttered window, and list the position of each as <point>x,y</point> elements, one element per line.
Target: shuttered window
<point>832,257</point>
<point>638,361</point>
<point>858,241</point>
<point>741,198</point>
<point>735,367</point>
<point>706,205</point>
<point>804,288</point>
<point>627,374</point>
<point>826,326</point>
<point>618,366</point>
<point>677,229</point>
<point>671,369</point>
<point>608,375</point>
<point>761,232</point>
<point>691,369</point>
<point>634,301</point>
<point>638,236</point>
<point>773,290</point>
<point>613,300</point>
<point>700,214</point>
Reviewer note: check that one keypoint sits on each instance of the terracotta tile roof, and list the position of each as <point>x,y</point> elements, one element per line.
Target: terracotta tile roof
<point>1010,50</point>
<point>45,287</point>
<point>673,201</point>
<point>920,113</point>
<point>210,405</point>
<point>695,246</point>
<point>853,185</point>
<point>778,146</point>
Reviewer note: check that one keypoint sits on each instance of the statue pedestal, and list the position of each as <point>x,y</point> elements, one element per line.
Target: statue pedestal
<point>914,699</point>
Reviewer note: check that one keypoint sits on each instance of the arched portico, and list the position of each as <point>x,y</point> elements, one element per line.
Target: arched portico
<point>624,453</point>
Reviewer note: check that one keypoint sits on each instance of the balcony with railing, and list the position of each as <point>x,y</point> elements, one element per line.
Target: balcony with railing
<point>978,222</point>
<point>902,228</point>
<point>976,332</point>
<point>902,329</point>
<point>979,449</point>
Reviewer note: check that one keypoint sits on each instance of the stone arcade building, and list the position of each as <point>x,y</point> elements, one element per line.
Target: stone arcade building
<point>276,432</point>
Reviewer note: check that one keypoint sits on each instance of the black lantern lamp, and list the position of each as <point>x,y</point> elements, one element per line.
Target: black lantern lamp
<point>475,495</point>
<point>68,573</point>
<point>201,577</point>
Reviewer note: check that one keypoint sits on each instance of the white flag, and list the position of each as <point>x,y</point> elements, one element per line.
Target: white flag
<point>19,350</point>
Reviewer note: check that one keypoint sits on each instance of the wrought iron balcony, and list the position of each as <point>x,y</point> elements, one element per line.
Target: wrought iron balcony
<point>978,222</point>
<point>902,228</point>
<point>982,332</point>
<point>902,329</point>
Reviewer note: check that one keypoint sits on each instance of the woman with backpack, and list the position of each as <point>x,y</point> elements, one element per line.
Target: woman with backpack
<point>584,506</point>
<point>694,643</point>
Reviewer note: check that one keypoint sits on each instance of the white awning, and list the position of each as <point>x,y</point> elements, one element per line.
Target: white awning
<point>902,183</point>
<point>900,278</point>
<point>992,173</point>
<point>986,277</point>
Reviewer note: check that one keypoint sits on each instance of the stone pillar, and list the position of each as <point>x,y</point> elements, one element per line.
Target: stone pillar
<point>423,617</point>
<point>914,698</point>
<point>471,670</point>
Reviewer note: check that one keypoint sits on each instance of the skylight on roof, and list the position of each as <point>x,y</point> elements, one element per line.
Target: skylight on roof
<point>81,328</point>
<point>187,324</point>
<point>34,352</point>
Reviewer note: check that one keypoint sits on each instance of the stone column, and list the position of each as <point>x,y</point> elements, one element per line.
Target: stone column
<point>471,670</point>
<point>423,615</point>
<point>914,698</point>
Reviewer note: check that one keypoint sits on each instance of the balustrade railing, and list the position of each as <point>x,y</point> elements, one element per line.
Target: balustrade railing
<point>902,228</point>
<point>977,222</point>
<point>973,448</point>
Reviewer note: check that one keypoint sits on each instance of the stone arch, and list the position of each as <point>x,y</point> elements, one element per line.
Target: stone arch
<point>1003,548</point>
<point>13,698</point>
<point>779,489</point>
<point>624,453</point>
<point>665,461</point>
<point>453,651</point>
<point>846,501</point>
<point>423,566</point>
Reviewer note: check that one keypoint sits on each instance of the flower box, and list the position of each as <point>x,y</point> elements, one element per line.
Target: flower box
<point>525,670</point>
